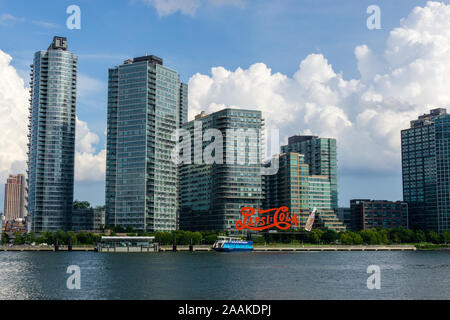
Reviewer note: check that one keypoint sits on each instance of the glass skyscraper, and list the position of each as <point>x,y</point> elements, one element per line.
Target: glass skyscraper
<point>212,194</point>
<point>146,104</point>
<point>321,156</point>
<point>295,188</point>
<point>426,171</point>
<point>290,186</point>
<point>52,137</point>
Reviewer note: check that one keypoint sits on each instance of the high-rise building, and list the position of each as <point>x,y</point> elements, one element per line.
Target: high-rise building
<point>52,137</point>
<point>290,186</point>
<point>15,197</point>
<point>426,171</point>
<point>295,188</point>
<point>146,104</point>
<point>321,156</point>
<point>370,214</point>
<point>212,194</point>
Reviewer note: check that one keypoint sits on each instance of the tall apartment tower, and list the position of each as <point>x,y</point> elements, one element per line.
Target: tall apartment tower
<point>321,156</point>
<point>426,171</point>
<point>52,137</point>
<point>213,194</point>
<point>15,197</point>
<point>146,104</point>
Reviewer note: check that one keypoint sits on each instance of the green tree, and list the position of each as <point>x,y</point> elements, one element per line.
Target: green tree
<point>30,237</point>
<point>315,236</point>
<point>72,236</point>
<point>5,238</point>
<point>433,237</point>
<point>345,238</point>
<point>445,237</point>
<point>330,236</point>
<point>357,239</point>
<point>47,237</point>
<point>370,236</point>
<point>420,236</point>
<point>210,238</point>
<point>62,237</point>
<point>383,235</point>
<point>18,239</point>
<point>81,204</point>
<point>394,235</point>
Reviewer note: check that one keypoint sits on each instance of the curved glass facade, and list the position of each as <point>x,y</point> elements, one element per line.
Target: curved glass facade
<point>52,137</point>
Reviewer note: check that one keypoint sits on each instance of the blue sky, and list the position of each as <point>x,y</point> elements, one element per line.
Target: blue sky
<point>278,33</point>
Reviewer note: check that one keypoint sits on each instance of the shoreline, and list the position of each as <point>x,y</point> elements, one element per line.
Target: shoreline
<point>257,248</point>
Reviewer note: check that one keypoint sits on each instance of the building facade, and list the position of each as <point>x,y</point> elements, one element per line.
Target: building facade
<point>52,137</point>
<point>344,214</point>
<point>295,188</point>
<point>90,219</point>
<point>321,156</point>
<point>15,197</point>
<point>370,214</point>
<point>290,186</point>
<point>212,194</point>
<point>146,105</point>
<point>426,171</point>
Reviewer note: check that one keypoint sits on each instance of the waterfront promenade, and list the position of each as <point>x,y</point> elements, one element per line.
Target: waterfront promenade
<point>207,248</point>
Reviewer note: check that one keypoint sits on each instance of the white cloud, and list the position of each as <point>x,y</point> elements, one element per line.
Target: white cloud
<point>7,18</point>
<point>188,7</point>
<point>365,114</point>
<point>13,119</point>
<point>45,24</point>
<point>88,86</point>
<point>85,138</point>
<point>89,165</point>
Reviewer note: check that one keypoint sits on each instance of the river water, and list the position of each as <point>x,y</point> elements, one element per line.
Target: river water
<point>210,275</point>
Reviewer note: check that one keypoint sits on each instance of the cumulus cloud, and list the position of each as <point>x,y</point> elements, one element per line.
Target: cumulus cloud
<point>188,7</point>
<point>89,164</point>
<point>366,114</point>
<point>13,119</point>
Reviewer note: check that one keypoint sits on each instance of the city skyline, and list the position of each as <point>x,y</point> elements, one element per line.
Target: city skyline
<point>355,168</point>
<point>217,157</point>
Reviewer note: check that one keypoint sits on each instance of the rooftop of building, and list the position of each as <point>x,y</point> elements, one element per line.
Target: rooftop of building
<point>357,201</point>
<point>204,114</point>
<point>300,138</point>
<point>58,43</point>
<point>428,118</point>
<point>149,58</point>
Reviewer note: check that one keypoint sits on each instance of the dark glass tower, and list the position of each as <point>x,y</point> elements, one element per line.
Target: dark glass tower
<point>52,137</point>
<point>146,104</point>
<point>426,173</point>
